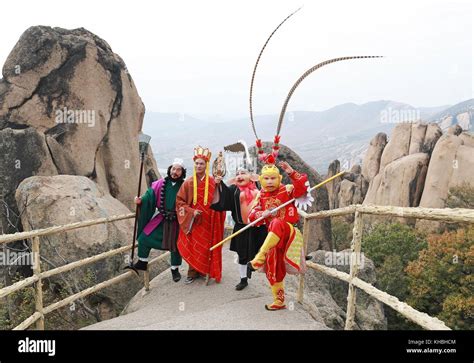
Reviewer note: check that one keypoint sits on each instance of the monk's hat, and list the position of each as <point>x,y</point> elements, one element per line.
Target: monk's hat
<point>202,153</point>
<point>178,162</point>
<point>205,154</point>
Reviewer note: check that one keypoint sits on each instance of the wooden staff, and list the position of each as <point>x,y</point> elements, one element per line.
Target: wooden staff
<point>274,210</point>
<point>143,141</point>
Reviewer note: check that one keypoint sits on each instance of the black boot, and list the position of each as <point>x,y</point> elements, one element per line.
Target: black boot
<point>250,269</point>
<point>242,284</point>
<point>176,275</point>
<point>140,265</point>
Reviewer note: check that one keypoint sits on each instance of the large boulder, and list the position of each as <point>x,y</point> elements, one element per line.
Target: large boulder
<point>328,296</point>
<point>348,189</point>
<point>320,230</point>
<point>451,165</point>
<point>63,199</point>
<point>73,92</point>
<point>371,162</point>
<point>23,152</point>
<point>334,187</point>
<point>432,135</point>
<point>403,166</point>
<point>464,120</point>
<point>398,145</point>
<point>400,183</point>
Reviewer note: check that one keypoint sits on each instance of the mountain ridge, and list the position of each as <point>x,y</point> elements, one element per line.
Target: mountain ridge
<point>341,132</point>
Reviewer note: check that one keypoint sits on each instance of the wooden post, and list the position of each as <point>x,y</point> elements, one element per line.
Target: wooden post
<point>306,225</point>
<point>39,284</point>
<point>354,269</point>
<point>146,279</point>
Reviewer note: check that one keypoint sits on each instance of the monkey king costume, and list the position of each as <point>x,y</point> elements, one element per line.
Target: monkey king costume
<point>282,251</point>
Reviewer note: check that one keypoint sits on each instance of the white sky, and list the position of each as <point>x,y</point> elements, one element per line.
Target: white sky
<point>196,57</point>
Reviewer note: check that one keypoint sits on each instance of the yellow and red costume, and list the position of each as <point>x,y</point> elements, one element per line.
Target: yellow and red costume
<point>282,250</point>
<point>200,232</point>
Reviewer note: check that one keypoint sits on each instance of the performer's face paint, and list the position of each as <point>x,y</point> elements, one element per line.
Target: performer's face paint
<point>242,178</point>
<point>176,172</point>
<point>270,182</point>
<point>200,165</point>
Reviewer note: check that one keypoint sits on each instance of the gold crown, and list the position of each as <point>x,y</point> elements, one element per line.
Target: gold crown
<point>270,169</point>
<point>202,153</point>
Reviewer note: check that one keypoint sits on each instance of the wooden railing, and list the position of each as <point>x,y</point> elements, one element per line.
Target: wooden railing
<point>424,320</point>
<point>38,276</point>
<point>420,318</point>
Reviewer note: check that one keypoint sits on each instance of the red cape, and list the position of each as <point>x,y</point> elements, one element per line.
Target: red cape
<point>198,234</point>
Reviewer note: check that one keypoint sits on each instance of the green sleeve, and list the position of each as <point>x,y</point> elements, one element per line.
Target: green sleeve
<point>147,209</point>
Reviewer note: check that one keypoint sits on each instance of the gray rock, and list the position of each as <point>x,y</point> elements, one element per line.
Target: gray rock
<point>371,162</point>
<point>334,187</point>
<point>398,145</point>
<point>451,164</point>
<point>349,189</point>
<point>23,152</point>
<point>328,295</point>
<point>401,183</point>
<point>76,93</point>
<point>62,199</point>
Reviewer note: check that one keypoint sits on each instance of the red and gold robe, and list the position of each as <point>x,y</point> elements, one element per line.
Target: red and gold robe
<point>198,234</point>
<point>282,224</point>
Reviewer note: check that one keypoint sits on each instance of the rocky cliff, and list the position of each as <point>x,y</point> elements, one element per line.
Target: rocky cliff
<point>69,106</point>
<point>416,166</point>
<point>70,116</point>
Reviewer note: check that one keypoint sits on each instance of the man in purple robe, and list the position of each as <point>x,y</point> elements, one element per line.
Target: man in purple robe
<point>158,226</point>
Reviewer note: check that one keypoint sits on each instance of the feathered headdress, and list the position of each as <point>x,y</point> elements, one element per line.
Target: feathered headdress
<point>269,158</point>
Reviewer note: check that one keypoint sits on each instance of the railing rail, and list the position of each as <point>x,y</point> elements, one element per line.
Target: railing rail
<point>422,319</point>
<point>437,214</point>
<point>40,311</point>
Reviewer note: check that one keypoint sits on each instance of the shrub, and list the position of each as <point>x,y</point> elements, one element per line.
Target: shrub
<point>391,247</point>
<point>441,281</point>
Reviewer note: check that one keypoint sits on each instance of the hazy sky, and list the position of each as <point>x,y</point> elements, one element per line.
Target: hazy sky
<point>197,56</point>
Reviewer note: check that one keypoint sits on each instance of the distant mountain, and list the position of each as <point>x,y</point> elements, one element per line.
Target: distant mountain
<point>461,114</point>
<point>342,132</point>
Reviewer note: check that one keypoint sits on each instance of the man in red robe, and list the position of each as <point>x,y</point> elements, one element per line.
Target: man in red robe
<point>200,226</point>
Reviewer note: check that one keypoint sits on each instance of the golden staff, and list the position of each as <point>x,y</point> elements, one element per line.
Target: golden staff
<point>218,170</point>
<point>274,210</point>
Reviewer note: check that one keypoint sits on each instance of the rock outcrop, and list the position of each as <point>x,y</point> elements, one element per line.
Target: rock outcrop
<point>400,183</point>
<point>416,167</point>
<point>371,162</point>
<point>451,165</point>
<point>320,230</point>
<point>69,106</point>
<point>62,199</point>
<point>461,114</point>
<point>346,190</point>
<point>327,296</point>
<point>403,165</point>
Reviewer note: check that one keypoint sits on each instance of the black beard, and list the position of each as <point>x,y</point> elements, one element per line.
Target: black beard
<point>180,179</point>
